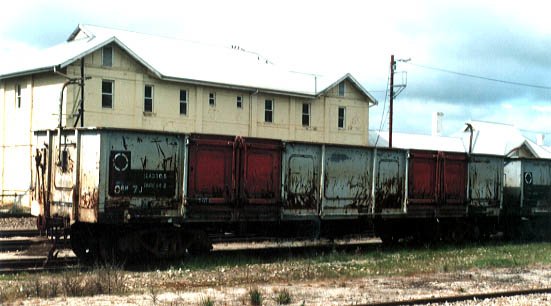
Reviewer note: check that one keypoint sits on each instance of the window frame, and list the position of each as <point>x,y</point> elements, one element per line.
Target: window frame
<point>343,126</point>
<point>239,102</point>
<point>269,111</point>
<point>111,94</point>
<point>306,115</point>
<point>184,102</point>
<point>18,95</point>
<point>341,89</point>
<point>212,99</point>
<point>103,57</point>
<point>146,98</point>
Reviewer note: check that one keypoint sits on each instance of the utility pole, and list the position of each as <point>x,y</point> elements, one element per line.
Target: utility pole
<point>392,68</point>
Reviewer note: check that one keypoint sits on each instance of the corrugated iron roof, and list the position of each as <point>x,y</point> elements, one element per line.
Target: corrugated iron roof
<point>488,138</point>
<point>417,141</point>
<point>180,60</point>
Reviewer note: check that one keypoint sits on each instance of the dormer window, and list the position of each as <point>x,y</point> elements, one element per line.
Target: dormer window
<point>107,56</point>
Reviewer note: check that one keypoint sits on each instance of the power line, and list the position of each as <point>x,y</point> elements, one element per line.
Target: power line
<point>480,77</point>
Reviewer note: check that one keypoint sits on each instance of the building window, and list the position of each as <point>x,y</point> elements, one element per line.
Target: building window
<point>107,56</point>
<point>341,89</point>
<point>183,102</point>
<point>212,99</point>
<point>239,101</point>
<point>306,114</point>
<point>148,99</point>
<point>268,110</point>
<point>18,95</point>
<point>342,117</point>
<point>107,94</point>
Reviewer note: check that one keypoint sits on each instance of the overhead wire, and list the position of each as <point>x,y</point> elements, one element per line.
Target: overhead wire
<point>479,76</point>
<point>383,112</point>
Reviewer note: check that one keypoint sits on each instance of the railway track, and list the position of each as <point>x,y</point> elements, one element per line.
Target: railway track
<point>40,264</point>
<point>19,233</point>
<point>462,298</point>
<point>24,244</point>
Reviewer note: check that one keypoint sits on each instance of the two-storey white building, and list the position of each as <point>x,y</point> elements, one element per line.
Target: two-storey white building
<point>139,81</point>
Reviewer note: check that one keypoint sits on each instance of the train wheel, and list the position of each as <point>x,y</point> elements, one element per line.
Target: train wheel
<point>84,244</point>
<point>198,243</point>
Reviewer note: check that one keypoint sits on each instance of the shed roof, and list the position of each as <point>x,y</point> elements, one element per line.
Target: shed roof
<point>500,139</point>
<point>186,61</point>
<point>416,141</point>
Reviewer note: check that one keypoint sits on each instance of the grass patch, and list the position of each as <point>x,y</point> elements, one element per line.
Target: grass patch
<point>255,297</point>
<point>238,269</point>
<point>283,297</point>
<point>206,301</point>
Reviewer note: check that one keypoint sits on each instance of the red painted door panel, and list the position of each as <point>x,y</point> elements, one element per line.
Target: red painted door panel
<point>454,177</point>
<point>437,178</point>
<point>423,180</point>
<point>260,164</point>
<point>211,169</point>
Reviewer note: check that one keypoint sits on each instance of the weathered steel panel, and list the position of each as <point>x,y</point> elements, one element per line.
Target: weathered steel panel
<point>390,178</point>
<point>512,186</point>
<point>211,176</point>
<point>485,181</point>
<point>348,175</point>
<point>143,170</point>
<point>536,177</point>
<point>63,174</point>
<point>301,178</point>
<point>260,175</point>
<point>88,206</point>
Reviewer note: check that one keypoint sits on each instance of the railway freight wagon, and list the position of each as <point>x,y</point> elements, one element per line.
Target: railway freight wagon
<point>97,180</point>
<point>527,198</point>
<point>448,195</point>
<point>127,193</point>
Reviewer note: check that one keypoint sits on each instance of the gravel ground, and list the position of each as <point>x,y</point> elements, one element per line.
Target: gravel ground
<point>181,287</point>
<point>17,223</point>
<point>328,292</point>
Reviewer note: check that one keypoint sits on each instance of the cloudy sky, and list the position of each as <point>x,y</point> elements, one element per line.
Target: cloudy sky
<point>499,40</point>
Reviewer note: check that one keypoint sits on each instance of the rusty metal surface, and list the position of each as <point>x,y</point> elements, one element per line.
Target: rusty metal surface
<point>143,170</point>
<point>301,178</point>
<point>54,176</point>
<point>485,181</point>
<point>390,177</point>
<point>348,175</point>
<point>88,205</point>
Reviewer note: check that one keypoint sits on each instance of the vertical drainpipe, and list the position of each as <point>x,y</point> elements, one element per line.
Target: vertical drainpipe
<point>81,110</point>
<point>31,106</point>
<point>185,153</point>
<point>76,189</point>
<point>322,180</point>
<point>3,135</point>
<point>375,173</point>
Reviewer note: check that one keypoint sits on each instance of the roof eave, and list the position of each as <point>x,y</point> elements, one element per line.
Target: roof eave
<point>26,72</point>
<point>372,101</point>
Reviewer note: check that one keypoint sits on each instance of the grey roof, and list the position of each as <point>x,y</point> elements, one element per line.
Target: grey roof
<point>488,138</point>
<point>500,139</point>
<point>416,141</point>
<point>185,61</point>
